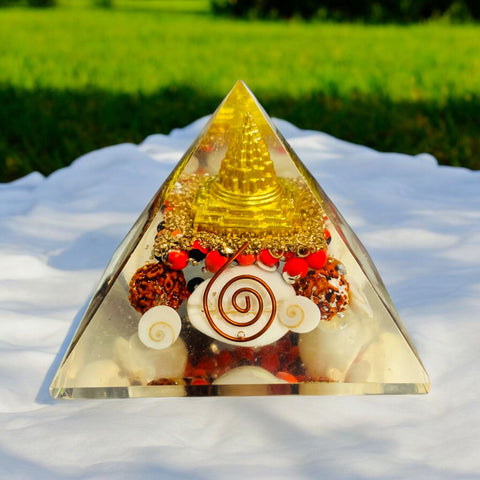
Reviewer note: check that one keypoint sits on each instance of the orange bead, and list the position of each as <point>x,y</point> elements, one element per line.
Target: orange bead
<point>296,267</point>
<point>288,377</point>
<point>328,237</point>
<point>177,259</point>
<point>267,258</point>
<point>199,381</point>
<point>214,261</point>
<point>317,260</point>
<point>198,246</point>
<point>246,259</point>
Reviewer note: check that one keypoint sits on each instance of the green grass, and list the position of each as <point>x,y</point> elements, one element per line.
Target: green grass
<point>76,78</point>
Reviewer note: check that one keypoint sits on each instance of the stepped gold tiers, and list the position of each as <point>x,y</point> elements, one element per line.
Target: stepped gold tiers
<point>247,195</point>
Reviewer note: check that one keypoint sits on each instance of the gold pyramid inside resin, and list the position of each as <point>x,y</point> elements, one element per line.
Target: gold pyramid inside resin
<point>239,278</point>
<point>246,194</point>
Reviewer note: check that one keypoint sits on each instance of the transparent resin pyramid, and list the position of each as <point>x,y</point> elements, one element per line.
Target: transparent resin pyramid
<point>239,278</point>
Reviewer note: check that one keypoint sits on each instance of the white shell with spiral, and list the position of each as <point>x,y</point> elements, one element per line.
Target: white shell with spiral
<point>299,314</point>
<point>274,280</point>
<point>159,327</point>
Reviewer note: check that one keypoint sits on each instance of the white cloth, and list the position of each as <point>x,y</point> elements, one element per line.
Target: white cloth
<point>419,221</point>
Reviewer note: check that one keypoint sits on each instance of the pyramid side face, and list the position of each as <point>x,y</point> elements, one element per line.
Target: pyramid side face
<point>232,284</point>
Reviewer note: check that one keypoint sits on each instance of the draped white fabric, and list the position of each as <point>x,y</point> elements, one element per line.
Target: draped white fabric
<point>419,221</point>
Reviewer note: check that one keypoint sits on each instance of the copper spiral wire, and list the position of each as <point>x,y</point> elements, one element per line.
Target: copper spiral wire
<point>240,337</point>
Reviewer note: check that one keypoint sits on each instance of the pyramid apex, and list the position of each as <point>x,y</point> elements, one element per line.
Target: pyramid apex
<point>240,88</point>
<point>240,84</point>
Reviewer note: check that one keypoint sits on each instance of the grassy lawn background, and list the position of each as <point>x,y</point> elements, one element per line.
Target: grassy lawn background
<point>76,78</point>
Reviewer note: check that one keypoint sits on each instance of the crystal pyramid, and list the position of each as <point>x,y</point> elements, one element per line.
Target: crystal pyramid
<point>240,278</point>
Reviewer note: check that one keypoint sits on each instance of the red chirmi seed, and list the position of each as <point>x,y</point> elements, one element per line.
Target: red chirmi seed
<point>296,267</point>
<point>328,236</point>
<point>267,258</point>
<point>317,259</point>
<point>246,259</point>
<point>177,259</point>
<point>196,245</point>
<point>214,261</point>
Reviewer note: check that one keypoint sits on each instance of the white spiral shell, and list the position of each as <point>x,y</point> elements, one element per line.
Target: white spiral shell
<point>234,279</point>
<point>299,314</point>
<point>159,327</point>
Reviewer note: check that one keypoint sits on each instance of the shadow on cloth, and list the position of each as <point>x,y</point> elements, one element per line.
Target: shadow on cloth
<point>43,395</point>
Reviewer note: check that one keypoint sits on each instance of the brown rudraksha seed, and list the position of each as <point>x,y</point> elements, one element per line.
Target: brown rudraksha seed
<point>157,284</point>
<point>327,287</point>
